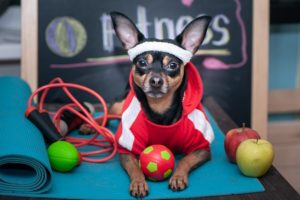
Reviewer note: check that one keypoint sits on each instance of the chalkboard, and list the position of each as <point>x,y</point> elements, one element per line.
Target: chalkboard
<point>76,41</point>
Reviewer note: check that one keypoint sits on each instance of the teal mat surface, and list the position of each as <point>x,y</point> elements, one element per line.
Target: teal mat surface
<point>24,165</point>
<point>101,181</point>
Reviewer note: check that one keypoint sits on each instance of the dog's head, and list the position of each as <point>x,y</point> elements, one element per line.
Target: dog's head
<point>158,65</point>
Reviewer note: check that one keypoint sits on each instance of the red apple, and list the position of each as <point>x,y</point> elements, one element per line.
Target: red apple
<point>233,139</point>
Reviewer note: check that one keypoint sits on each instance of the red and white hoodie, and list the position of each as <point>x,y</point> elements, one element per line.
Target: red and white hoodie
<point>191,132</point>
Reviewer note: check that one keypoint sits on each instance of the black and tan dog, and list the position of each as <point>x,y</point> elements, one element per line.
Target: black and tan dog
<point>163,103</point>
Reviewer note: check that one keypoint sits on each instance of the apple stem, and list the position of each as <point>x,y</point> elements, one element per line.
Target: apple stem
<point>244,126</point>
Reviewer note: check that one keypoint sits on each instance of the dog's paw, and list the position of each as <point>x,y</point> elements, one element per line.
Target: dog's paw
<point>139,188</point>
<point>178,182</point>
<point>86,129</point>
<point>116,108</point>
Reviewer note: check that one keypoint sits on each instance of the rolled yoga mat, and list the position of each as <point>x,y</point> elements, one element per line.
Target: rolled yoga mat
<point>24,164</point>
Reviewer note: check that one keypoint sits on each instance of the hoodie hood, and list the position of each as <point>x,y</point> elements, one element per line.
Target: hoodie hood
<point>194,88</point>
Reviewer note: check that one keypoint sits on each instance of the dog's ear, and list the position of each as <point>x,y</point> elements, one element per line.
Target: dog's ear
<point>126,30</point>
<point>193,34</point>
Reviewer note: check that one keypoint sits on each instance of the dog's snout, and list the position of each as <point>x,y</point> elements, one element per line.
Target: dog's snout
<point>156,81</point>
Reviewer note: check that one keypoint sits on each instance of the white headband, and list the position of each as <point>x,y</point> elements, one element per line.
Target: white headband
<point>184,55</point>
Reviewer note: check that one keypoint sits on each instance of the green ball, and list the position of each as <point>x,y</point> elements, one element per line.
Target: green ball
<point>63,156</point>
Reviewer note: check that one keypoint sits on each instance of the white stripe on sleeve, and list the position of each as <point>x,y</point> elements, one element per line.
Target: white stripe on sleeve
<point>197,117</point>
<point>128,117</point>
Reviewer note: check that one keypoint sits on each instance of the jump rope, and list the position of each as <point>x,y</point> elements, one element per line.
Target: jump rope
<point>50,126</point>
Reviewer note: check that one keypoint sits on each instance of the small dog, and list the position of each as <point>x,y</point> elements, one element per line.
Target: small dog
<point>163,103</point>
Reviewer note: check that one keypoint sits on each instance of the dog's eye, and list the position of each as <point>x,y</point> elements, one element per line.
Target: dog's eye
<point>172,66</point>
<point>142,63</point>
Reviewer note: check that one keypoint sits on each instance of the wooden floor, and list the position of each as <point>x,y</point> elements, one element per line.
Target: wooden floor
<point>287,153</point>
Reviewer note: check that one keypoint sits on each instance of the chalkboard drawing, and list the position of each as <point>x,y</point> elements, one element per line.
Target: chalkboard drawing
<point>214,63</point>
<point>187,3</point>
<point>66,36</point>
<point>211,59</point>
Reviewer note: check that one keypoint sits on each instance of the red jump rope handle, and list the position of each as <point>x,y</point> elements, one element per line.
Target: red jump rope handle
<point>43,122</point>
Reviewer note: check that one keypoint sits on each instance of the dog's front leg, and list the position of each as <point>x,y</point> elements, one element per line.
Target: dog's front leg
<point>179,180</point>
<point>138,185</point>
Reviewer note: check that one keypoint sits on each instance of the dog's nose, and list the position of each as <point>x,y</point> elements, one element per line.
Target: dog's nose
<point>156,81</point>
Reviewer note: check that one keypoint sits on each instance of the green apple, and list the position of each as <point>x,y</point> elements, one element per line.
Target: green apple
<point>254,157</point>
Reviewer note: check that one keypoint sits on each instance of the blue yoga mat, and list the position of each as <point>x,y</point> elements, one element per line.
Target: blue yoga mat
<point>24,166</point>
<point>108,180</point>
